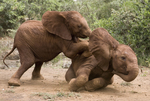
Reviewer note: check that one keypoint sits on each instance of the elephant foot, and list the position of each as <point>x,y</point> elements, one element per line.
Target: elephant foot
<point>90,87</point>
<point>14,82</point>
<point>72,86</point>
<point>95,84</point>
<point>37,77</point>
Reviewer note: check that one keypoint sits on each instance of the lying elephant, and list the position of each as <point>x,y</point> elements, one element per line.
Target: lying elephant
<point>39,42</point>
<point>109,58</point>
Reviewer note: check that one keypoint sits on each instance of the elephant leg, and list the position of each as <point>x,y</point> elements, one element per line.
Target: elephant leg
<point>95,84</point>
<point>111,80</point>
<point>27,60</point>
<point>36,72</point>
<point>80,81</point>
<point>69,74</point>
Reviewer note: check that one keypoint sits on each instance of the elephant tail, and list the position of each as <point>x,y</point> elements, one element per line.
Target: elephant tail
<point>8,55</point>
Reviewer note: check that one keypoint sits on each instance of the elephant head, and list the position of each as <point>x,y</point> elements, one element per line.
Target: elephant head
<point>67,25</point>
<point>124,62</point>
<point>108,52</point>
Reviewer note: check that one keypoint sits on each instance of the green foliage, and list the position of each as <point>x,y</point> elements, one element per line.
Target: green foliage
<point>10,91</point>
<point>58,58</point>
<point>128,21</point>
<point>14,12</point>
<point>130,25</point>
<point>52,97</point>
<point>34,9</point>
<point>92,10</point>
<point>10,15</point>
<point>125,84</point>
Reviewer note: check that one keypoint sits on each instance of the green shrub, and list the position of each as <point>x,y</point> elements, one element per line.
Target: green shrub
<point>128,21</point>
<point>131,25</point>
<point>14,12</point>
<point>11,13</point>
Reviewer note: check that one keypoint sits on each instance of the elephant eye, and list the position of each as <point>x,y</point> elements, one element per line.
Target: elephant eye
<point>79,26</point>
<point>123,58</point>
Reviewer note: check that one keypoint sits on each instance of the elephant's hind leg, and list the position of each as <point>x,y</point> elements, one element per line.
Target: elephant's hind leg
<point>27,60</point>
<point>95,84</point>
<point>36,72</point>
<point>80,80</point>
<point>15,79</point>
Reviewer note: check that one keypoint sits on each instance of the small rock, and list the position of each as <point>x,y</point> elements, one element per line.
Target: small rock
<point>2,67</point>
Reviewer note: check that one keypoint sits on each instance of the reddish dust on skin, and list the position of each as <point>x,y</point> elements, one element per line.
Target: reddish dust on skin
<point>54,87</point>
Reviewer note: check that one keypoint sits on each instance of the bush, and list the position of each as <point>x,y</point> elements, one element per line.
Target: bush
<point>11,13</point>
<point>14,12</point>
<point>128,21</point>
<point>130,25</point>
<point>34,9</point>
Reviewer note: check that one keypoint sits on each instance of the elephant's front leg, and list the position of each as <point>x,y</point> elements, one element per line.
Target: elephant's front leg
<point>80,81</point>
<point>70,74</point>
<point>95,84</point>
<point>77,48</point>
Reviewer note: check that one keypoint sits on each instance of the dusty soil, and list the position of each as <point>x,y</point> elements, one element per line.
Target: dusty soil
<point>55,88</point>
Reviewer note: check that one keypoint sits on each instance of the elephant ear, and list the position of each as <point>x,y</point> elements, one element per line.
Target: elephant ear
<point>101,44</point>
<point>54,22</point>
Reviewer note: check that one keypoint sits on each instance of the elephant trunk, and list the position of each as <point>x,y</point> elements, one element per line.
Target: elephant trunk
<point>88,32</point>
<point>132,74</point>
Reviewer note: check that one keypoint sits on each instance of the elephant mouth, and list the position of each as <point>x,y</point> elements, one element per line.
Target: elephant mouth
<point>82,36</point>
<point>120,72</point>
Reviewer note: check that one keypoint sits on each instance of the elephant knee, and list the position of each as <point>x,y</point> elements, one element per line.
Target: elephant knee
<point>78,82</point>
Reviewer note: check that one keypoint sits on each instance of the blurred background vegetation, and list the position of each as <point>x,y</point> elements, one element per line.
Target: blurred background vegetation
<point>128,21</point>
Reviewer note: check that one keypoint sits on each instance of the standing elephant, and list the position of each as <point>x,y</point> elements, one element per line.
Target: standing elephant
<point>109,58</point>
<point>41,41</point>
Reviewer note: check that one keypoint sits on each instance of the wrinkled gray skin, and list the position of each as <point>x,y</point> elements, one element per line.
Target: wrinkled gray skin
<point>41,41</point>
<point>109,58</point>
